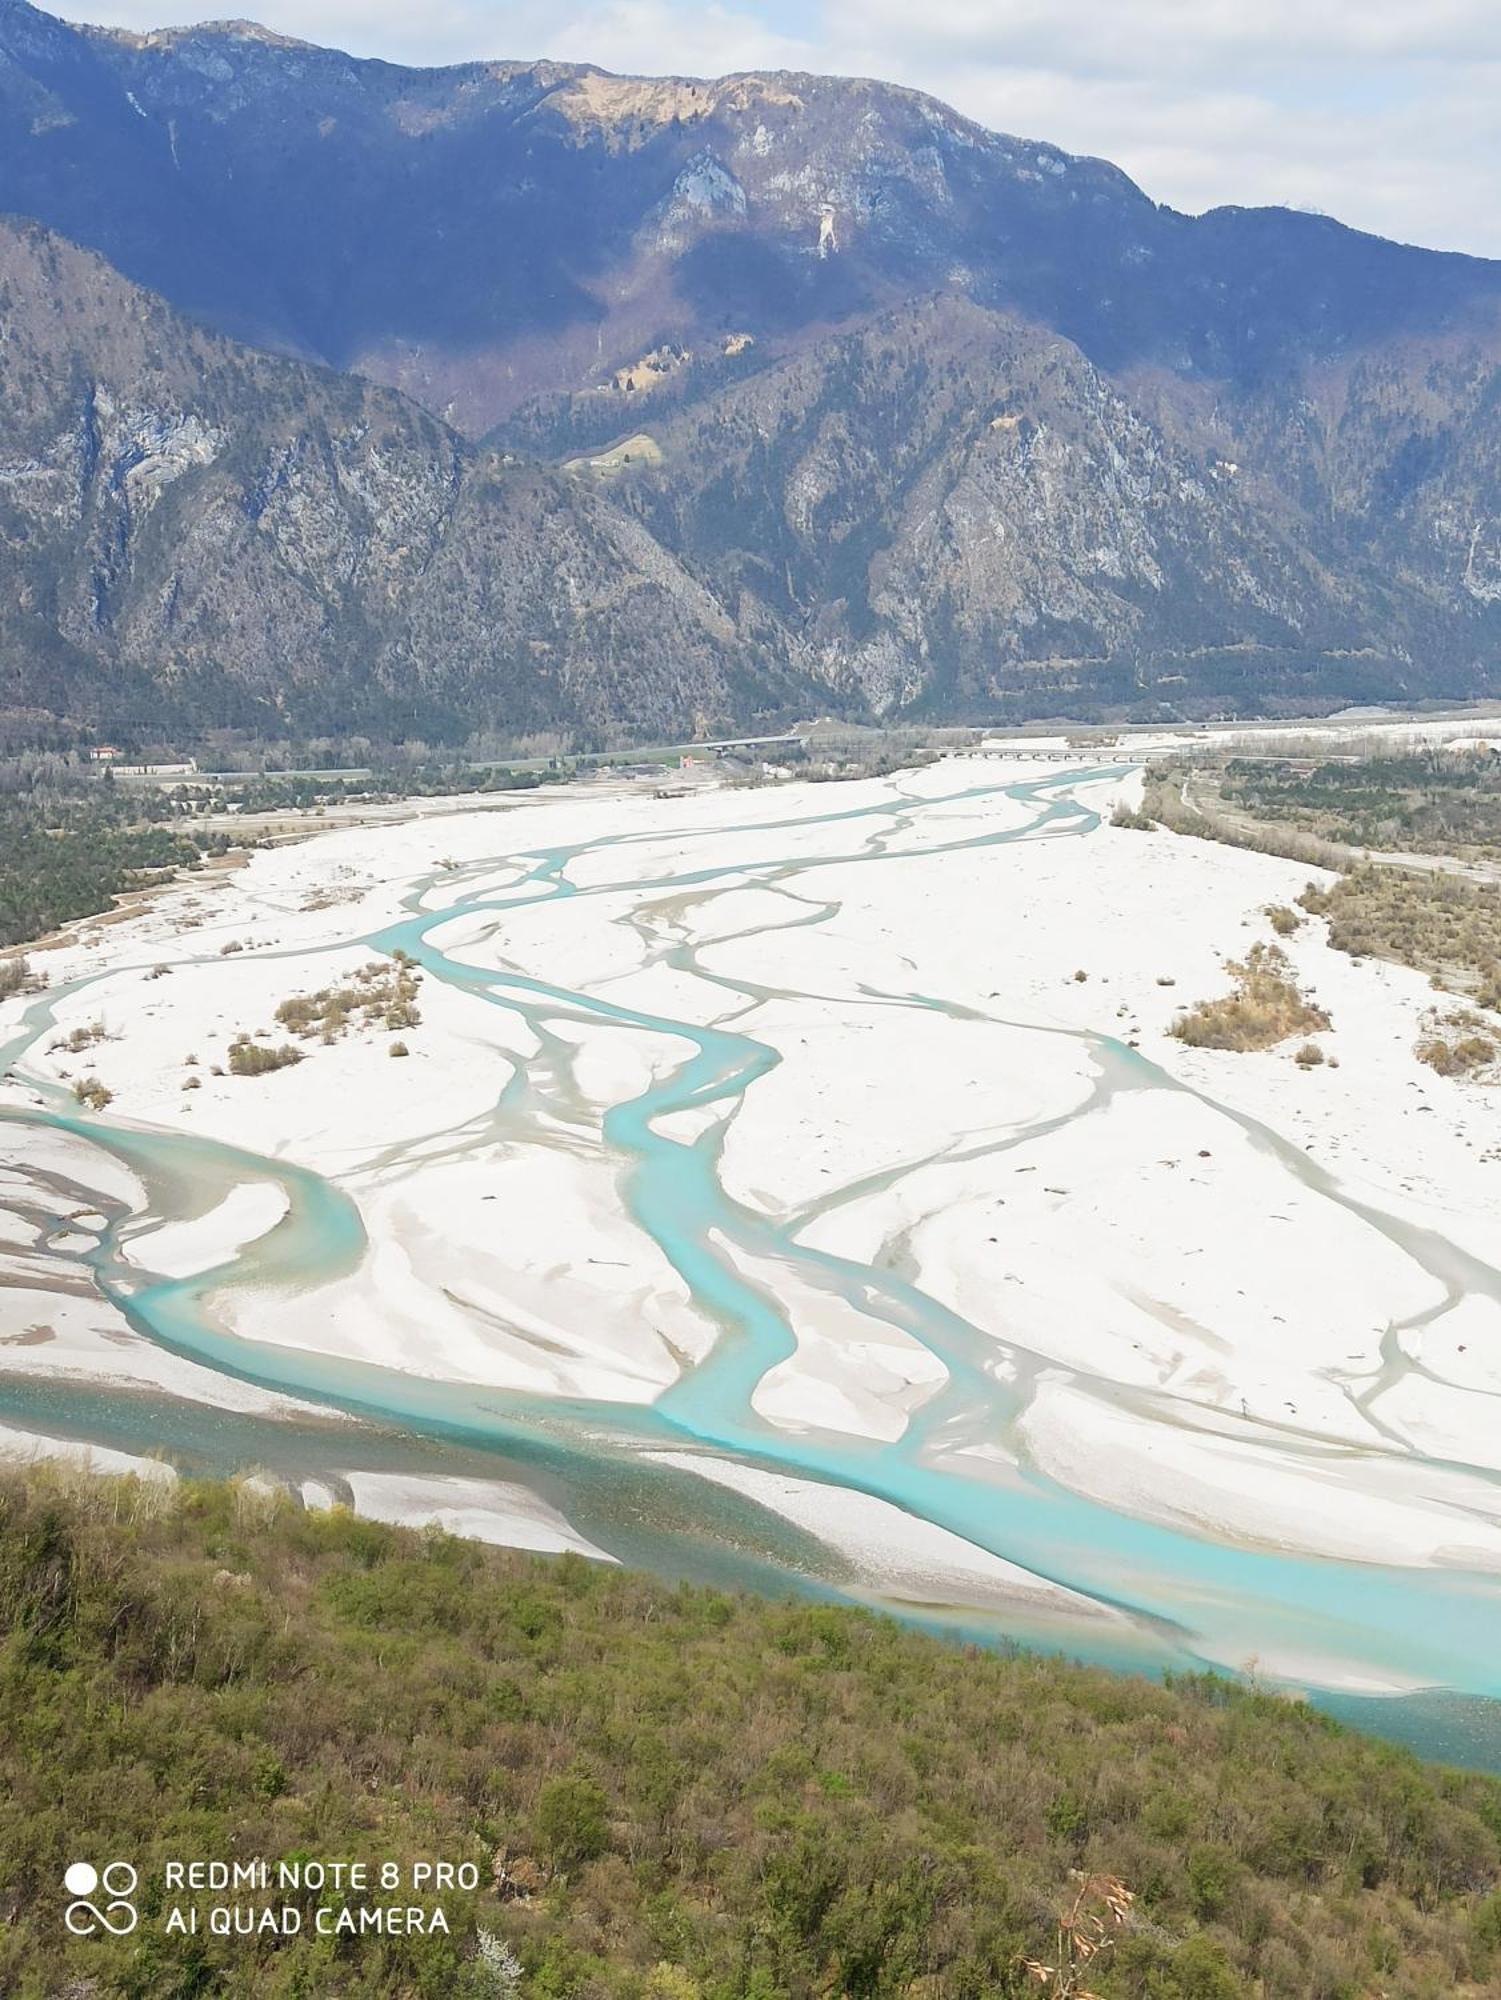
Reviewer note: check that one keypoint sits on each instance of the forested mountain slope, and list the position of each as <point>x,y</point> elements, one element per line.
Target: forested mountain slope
<point>915,417</point>
<point>193,533</point>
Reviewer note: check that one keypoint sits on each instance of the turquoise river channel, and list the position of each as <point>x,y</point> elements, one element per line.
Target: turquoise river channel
<point>1434,1627</point>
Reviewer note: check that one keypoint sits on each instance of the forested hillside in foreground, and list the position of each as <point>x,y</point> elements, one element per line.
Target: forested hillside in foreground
<point>669,1792</point>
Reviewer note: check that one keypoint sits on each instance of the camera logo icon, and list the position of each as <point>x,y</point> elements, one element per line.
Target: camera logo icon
<point>117,1880</point>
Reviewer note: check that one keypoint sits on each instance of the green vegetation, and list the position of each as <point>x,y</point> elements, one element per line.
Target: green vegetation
<point>1432,919</point>
<point>672,1793</point>
<point>1181,797</point>
<point>1428,802</point>
<point>275,791</point>
<point>1439,923</point>
<point>71,841</point>
<point>73,836</point>
<point>1264,1008</point>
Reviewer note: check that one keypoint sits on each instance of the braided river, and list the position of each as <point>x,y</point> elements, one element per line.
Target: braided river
<point>1102,1581</point>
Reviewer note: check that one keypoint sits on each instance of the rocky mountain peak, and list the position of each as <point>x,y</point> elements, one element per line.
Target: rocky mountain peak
<point>334,387</point>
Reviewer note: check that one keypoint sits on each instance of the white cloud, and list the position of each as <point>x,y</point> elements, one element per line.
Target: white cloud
<point>1378,111</point>
<point>657,35</point>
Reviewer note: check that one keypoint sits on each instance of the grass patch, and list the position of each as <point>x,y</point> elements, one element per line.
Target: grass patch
<point>382,994</point>
<point>639,449</point>
<point>79,1039</point>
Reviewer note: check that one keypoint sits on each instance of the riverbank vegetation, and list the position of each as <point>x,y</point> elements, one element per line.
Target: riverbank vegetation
<point>79,828</point>
<point>1330,811</point>
<point>1263,1008</point>
<point>17,976</point>
<point>1441,924</point>
<point>1433,919</point>
<point>669,1793</point>
<point>71,841</point>
<point>1428,801</point>
<point>74,836</point>
<point>248,1058</point>
<point>1180,796</point>
<point>1458,1042</point>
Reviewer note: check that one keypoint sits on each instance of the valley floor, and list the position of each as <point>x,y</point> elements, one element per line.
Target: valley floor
<point>827,1144</point>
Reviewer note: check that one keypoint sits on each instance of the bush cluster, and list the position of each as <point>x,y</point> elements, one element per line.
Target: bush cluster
<point>1439,923</point>
<point>380,994</point>
<point>248,1058</point>
<point>1458,1043</point>
<point>1264,1008</point>
<point>16,976</point>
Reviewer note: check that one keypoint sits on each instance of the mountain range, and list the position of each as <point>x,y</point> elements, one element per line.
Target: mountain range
<point>335,394</point>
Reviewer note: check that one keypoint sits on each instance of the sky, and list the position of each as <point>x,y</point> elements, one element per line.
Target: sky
<point>1380,112</point>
